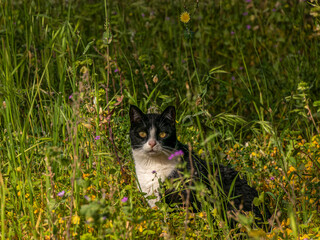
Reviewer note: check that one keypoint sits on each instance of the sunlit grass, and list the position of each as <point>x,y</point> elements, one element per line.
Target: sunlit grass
<point>243,76</point>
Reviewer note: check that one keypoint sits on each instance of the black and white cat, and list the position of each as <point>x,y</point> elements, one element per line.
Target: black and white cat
<point>154,144</point>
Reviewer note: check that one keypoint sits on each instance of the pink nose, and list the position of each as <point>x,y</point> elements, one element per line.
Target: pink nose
<point>152,143</point>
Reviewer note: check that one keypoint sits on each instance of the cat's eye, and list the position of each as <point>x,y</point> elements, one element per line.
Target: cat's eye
<point>142,134</point>
<point>162,135</point>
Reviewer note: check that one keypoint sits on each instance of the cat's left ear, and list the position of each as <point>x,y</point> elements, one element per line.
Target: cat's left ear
<point>170,113</point>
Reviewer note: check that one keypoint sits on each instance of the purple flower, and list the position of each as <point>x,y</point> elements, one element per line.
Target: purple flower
<point>154,172</point>
<point>124,199</point>
<point>143,15</point>
<point>248,1</point>
<point>272,178</point>
<point>233,78</point>
<point>70,97</point>
<point>61,194</point>
<point>232,33</point>
<point>116,70</point>
<point>248,27</point>
<point>175,154</point>
<point>87,198</point>
<point>245,14</point>
<point>241,68</point>
<point>97,138</point>
<point>273,9</point>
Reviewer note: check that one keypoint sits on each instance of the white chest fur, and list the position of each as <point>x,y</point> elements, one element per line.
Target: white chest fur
<point>151,169</point>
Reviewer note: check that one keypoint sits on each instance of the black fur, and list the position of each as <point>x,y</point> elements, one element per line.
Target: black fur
<point>242,194</point>
<point>164,122</point>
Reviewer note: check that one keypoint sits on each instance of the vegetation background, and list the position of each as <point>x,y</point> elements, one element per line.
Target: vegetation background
<point>243,75</point>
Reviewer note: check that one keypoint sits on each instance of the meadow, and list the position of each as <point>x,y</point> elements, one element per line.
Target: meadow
<point>243,75</point>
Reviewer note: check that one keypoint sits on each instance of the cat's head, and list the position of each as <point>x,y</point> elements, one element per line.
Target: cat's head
<point>153,134</point>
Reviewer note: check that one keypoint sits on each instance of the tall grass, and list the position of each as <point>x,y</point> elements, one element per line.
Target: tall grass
<point>243,76</point>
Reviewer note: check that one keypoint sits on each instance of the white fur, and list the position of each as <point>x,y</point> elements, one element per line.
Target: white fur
<point>149,159</point>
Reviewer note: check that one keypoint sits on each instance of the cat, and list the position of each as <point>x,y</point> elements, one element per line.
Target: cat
<point>159,156</point>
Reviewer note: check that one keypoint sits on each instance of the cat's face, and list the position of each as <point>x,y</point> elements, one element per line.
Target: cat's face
<point>153,134</point>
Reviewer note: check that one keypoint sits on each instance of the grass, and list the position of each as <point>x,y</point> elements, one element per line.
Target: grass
<point>243,76</point>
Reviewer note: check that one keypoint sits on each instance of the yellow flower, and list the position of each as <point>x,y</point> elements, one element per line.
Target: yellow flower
<point>291,169</point>
<point>75,219</point>
<point>185,17</point>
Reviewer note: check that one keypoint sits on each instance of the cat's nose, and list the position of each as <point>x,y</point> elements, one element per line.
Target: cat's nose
<point>152,143</point>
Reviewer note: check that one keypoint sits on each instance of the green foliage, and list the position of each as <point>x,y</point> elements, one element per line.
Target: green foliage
<point>243,76</point>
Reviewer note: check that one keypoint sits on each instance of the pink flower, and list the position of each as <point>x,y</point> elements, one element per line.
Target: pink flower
<point>124,199</point>
<point>97,138</point>
<point>61,194</point>
<point>175,154</point>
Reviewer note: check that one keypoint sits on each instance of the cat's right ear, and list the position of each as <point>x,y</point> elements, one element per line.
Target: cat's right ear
<point>136,115</point>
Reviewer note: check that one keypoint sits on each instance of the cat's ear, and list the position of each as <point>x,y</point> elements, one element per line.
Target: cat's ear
<point>170,113</point>
<point>136,115</point>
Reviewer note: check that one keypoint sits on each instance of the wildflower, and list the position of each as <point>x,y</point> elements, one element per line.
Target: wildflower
<point>87,198</point>
<point>273,9</point>
<point>185,17</point>
<point>75,219</point>
<point>155,79</point>
<point>61,194</point>
<point>116,70</point>
<point>248,27</point>
<point>154,172</point>
<point>291,169</point>
<point>176,154</point>
<point>233,78</point>
<point>124,199</point>
<point>272,178</point>
<point>70,97</point>
<point>143,15</point>
<point>232,32</point>
<point>245,14</point>
<point>97,137</point>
